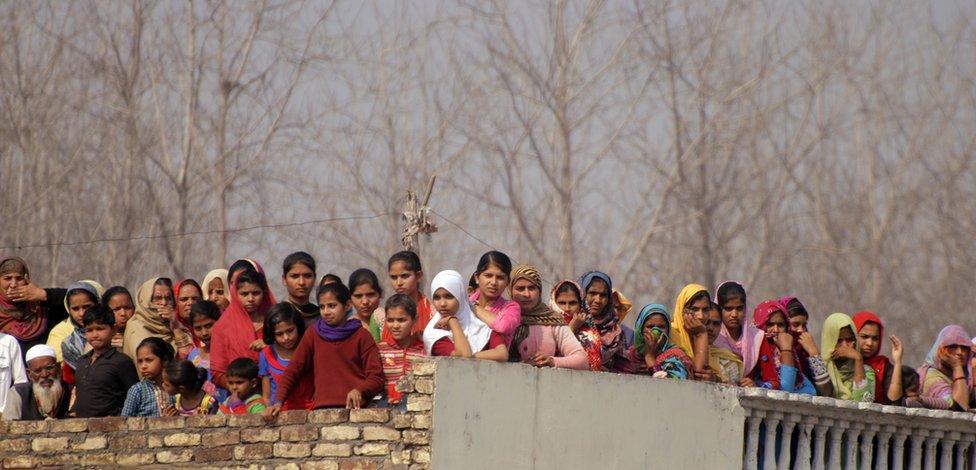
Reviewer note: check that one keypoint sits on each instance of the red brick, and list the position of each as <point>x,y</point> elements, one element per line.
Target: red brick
<point>221,438</point>
<point>111,424</point>
<point>292,417</point>
<point>213,454</point>
<point>130,441</point>
<point>299,432</point>
<point>253,452</point>
<point>358,464</point>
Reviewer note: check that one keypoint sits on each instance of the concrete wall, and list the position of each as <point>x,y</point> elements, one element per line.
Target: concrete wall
<point>489,415</point>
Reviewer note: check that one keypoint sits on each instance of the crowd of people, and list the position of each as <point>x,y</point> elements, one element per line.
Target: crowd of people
<point>224,345</point>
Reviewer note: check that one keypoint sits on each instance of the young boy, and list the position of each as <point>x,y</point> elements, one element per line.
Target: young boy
<point>298,277</point>
<point>401,314</point>
<point>104,374</point>
<point>245,394</point>
<point>406,275</point>
<point>340,346</point>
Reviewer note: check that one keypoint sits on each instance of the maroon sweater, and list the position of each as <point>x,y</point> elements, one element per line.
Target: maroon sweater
<point>334,368</point>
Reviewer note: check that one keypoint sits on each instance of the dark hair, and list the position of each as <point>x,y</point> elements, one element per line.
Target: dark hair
<point>569,287</point>
<point>338,289</point>
<point>204,308</point>
<point>184,374</point>
<point>98,315</point>
<point>794,308</point>
<point>242,367</point>
<point>365,276</point>
<point>239,265</point>
<point>729,291</point>
<point>909,378</point>
<point>282,312</point>
<point>298,257</point>
<point>253,277</point>
<point>329,278</point>
<point>116,290</point>
<point>92,297</point>
<point>473,281</point>
<point>190,282</point>
<point>408,258</point>
<point>497,258</point>
<point>159,348</point>
<point>700,295</point>
<point>402,301</point>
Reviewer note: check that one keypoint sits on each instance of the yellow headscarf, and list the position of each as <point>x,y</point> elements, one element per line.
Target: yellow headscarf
<point>841,377</point>
<point>678,333</point>
<point>625,304</point>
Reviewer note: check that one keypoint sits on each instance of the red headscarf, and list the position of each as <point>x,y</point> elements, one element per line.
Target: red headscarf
<point>878,362</point>
<point>234,332</point>
<point>769,361</point>
<point>25,321</point>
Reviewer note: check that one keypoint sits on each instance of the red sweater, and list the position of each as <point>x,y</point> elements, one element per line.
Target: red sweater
<point>334,368</point>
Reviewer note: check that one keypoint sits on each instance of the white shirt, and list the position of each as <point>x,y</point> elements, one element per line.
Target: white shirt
<point>12,370</point>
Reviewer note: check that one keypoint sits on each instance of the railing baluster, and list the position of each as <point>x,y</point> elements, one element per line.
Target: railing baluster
<point>961,448</point>
<point>883,445</point>
<point>853,433</point>
<point>785,442</point>
<point>947,446</point>
<point>821,442</point>
<point>769,455</point>
<point>931,443</point>
<point>915,450</point>
<point>805,443</point>
<point>899,453</point>
<point>836,442</point>
<point>867,447</point>
<point>751,460</point>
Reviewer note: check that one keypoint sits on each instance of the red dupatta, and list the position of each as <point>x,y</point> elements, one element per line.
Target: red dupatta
<point>234,332</point>
<point>878,362</point>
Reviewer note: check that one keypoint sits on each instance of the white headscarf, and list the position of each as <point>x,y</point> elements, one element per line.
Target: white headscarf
<point>215,274</point>
<point>475,330</point>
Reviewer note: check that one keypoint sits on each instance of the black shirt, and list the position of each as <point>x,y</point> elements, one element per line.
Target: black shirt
<point>101,387</point>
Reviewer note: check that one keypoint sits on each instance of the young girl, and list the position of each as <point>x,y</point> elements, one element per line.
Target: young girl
<point>340,346</point>
<point>736,333</point>
<point>777,367</point>
<point>850,377</point>
<point>653,352</point>
<point>870,334</point>
<point>401,313</point>
<point>493,274</point>
<point>723,363</point>
<point>543,339</point>
<point>147,398</point>
<point>215,288</point>
<point>184,382</point>
<point>406,276</point>
<point>946,375</point>
<point>298,277</point>
<point>203,315</point>
<point>811,363</point>
<point>566,299</point>
<point>283,329</point>
<point>455,330</point>
<point>185,292</point>
<point>80,297</point>
<point>366,295</point>
<point>119,301</point>
<point>238,333</point>
<point>688,325</point>
<point>155,307</point>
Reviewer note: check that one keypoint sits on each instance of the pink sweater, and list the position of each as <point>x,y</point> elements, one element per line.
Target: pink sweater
<point>509,316</point>
<point>554,341</point>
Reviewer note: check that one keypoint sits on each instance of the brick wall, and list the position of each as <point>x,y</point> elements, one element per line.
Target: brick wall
<point>326,439</point>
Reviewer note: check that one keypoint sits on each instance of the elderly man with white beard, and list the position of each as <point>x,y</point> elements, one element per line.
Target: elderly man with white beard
<point>46,396</point>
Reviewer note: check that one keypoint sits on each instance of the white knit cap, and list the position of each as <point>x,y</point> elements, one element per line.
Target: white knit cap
<point>40,350</point>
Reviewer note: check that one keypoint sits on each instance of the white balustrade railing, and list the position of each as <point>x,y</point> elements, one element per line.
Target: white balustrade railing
<point>789,431</point>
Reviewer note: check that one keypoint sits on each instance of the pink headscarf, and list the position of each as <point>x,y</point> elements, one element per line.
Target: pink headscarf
<point>750,340</point>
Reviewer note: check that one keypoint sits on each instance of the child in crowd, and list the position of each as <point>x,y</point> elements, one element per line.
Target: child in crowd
<point>184,382</point>
<point>148,398</point>
<point>283,329</point>
<point>245,393</point>
<point>298,277</point>
<point>119,301</point>
<point>104,374</point>
<point>406,275</point>
<point>339,347</point>
<point>68,338</point>
<point>455,330</point>
<point>401,314</point>
<point>366,295</point>
<point>203,315</point>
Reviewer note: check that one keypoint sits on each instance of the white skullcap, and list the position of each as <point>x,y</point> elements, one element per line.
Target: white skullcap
<point>40,350</point>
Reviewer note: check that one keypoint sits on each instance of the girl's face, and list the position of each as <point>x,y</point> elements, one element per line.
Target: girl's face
<point>597,296</point>
<point>299,281</point>
<point>732,312</point>
<point>404,281</point>
<point>168,386</point>
<point>202,326</point>
<point>121,305</point>
<point>365,299</point>
<point>492,282</point>
<point>78,302</point>
<point>699,308</point>
<point>188,294</point>
<point>286,335</point>
<point>713,324</point>
<point>333,311</point>
<point>869,339</point>
<point>399,323</point>
<point>846,337</point>
<point>568,302</point>
<point>150,365</point>
<point>216,293</point>
<point>776,323</point>
<point>162,296</point>
<point>655,321</point>
<point>798,323</point>
<point>961,352</point>
<point>445,303</point>
<point>250,296</point>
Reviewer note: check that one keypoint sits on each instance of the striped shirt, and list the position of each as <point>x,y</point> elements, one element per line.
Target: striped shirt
<point>396,364</point>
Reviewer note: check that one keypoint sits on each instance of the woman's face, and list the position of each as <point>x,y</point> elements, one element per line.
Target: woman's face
<point>732,313</point>
<point>869,339</point>
<point>776,323</point>
<point>365,299</point>
<point>713,324</point>
<point>492,282</point>
<point>846,336</point>
<point>526,294</point>
<point>445,303</point>
<point>162,296</point>
<point>250,296</point>
<point>217,294</point>
<point>188,294</point>
<point>299,281</point>
<point>655,321</point>
<point>699,308</point>
<point>568,302</point>
<point>597,296</point>
<point>11,280</point>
